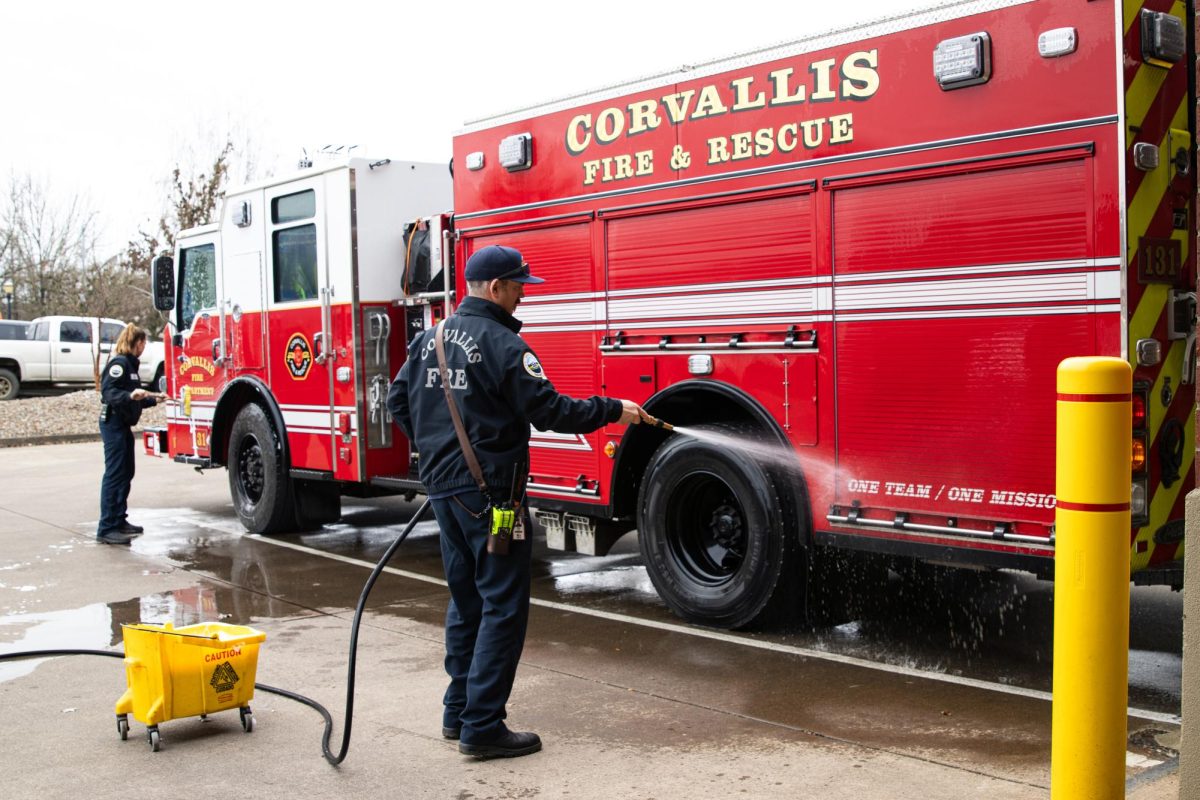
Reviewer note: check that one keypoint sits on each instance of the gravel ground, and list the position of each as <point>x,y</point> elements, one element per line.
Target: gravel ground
<point>73,413</point>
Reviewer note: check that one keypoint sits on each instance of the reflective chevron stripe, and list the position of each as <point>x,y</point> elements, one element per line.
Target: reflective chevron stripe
<point>1156,101</point>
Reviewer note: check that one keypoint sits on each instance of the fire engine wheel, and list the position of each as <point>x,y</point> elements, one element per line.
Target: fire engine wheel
<point>258,478</point>
<point>10,385</point>
<point>711,532</point>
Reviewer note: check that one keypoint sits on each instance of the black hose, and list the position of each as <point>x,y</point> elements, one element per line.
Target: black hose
<point>308,701</point>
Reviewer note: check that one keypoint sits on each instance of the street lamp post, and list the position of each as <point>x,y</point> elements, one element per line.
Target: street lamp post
<point>8,293</point>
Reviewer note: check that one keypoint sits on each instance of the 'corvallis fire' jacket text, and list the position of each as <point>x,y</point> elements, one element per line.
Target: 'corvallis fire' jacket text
<point>500,389</point>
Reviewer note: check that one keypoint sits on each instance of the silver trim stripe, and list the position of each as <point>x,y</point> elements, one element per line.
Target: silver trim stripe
<point>1058,288</point>
<point>1072,286</point>
<point>550,440</point>
<point>309,421</point>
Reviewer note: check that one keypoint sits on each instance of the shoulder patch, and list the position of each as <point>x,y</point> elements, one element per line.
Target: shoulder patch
<point>532,365</point>
<point>116,370</point>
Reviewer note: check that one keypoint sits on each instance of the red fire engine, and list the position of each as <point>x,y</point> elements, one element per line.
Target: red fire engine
<point>870,248</point>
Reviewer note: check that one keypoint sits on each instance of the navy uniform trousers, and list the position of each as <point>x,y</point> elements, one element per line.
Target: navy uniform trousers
<point>118,474</point>
<point>486,619</point>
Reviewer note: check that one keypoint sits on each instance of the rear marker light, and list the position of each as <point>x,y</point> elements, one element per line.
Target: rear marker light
<point>343,423</point>
<point>1058,42</point>
<point>1137,499</point>
<point>1138,455</point>
<point>1139,411</point>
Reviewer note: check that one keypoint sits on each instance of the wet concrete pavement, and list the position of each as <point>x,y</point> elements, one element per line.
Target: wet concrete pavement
<point>937,690</point>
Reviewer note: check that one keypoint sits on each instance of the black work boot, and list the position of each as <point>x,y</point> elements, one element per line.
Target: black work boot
<point>114,537</point>
<point>129,528</point>
<point>510,744</point>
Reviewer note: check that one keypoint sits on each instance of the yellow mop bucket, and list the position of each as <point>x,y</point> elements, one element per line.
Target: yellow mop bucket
<point>191,671</point>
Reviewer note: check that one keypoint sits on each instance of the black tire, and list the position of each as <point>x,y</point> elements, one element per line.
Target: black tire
<point>317,503</point>
<point>258,477</point>
<point>157,383</point>
<point>10,385</point>
<point>714,533</point>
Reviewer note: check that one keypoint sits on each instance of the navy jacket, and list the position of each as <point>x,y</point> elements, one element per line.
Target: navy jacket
<point>500,389</point>
<point>119,379</point>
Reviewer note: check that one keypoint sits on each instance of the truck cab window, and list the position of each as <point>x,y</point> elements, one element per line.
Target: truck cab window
<point>294,249</point>
<point>295,254</point>
<point>293,207</point>
<point>197,282</point>
<point>40,332</point>
<point>109,331</point>
<point>75,331</point>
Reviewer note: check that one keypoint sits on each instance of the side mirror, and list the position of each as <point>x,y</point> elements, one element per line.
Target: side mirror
<point>163,270</point>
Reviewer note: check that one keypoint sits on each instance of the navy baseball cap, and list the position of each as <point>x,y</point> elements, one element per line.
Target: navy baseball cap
<point>497,262</point>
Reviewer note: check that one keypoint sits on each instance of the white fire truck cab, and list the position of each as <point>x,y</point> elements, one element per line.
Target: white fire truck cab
<point>288,319</point>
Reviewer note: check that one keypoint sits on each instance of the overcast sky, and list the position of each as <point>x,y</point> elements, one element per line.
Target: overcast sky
<point>104,98</point>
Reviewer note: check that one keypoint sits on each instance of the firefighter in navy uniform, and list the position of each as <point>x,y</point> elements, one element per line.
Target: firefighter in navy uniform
<point>122,399</point>
<point>500,390</point>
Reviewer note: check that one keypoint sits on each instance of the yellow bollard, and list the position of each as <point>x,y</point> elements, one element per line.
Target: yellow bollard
<point>1091,580</point>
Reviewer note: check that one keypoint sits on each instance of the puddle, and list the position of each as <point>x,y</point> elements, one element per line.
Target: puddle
<point>98,626</point>
<point>623,580</point>
<point>87,628</point>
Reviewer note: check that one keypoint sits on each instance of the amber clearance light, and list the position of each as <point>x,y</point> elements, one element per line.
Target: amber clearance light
<point>1138,460</point>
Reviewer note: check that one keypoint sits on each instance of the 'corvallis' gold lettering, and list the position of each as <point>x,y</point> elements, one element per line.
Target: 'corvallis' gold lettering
<point>856,77</point>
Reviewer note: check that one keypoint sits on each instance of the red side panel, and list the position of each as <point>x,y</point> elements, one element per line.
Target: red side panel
<point>760,240</point>
<point>559,322</point>
<point>955,298</point>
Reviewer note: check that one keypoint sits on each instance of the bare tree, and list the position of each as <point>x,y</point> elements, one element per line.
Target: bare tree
<point>44,243</point>
<point>192,201</point>
<point>108,290</point>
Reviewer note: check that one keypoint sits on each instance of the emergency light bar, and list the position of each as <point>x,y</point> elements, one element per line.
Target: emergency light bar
<point>516,152</point>
<point>1164,41</point>
<point>963,61</point>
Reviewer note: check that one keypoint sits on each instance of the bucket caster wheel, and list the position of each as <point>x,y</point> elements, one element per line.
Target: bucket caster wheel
<point>247,718</point>
<point>123,726</point>
<point>153,737</point>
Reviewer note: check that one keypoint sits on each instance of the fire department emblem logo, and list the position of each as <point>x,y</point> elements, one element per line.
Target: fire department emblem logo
<point>533,366</point>
<point>224,678</point>
<point>299,356</point>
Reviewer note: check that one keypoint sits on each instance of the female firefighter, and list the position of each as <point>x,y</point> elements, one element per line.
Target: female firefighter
<point>121,402</point>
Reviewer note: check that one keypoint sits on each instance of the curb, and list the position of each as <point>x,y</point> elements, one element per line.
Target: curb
<point>64,438</point>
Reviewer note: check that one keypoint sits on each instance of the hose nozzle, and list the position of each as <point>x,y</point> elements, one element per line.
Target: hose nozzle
<point>658,423</point>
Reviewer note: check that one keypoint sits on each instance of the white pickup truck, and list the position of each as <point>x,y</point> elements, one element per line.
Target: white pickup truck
<point>63,350</point>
